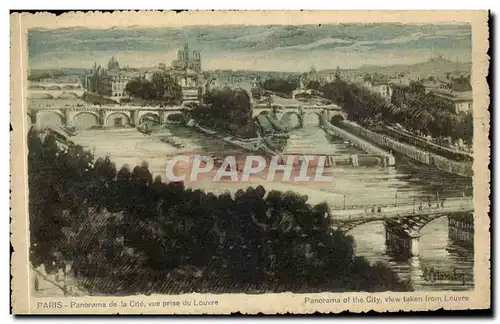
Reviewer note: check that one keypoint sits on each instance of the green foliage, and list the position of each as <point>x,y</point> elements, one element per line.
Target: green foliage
<point>461,84</point>
<point>140,88</point>
<point>105,85</point>
<point>133,233</point>
<point>280,85</point>
<point>227,110</point>
<point>421,114</point>
<point>162,87</point>
<point>314,85</point>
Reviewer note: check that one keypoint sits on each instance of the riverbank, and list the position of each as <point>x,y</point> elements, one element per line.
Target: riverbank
<point>123,205</point>
<point>424,144</point>
<point>251,144</point>
<point>443,164</point>
<point>387,158</point>
<point>352,187</point>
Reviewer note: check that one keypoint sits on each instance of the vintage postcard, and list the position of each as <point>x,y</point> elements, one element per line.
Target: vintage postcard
<point>250,161</point>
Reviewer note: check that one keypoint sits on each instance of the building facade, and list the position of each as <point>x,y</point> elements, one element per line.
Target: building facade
<point>382,89</point>
<point>186,71</point>
<point>110,82</point>
<point>187,60</point>
<point>457,102</point>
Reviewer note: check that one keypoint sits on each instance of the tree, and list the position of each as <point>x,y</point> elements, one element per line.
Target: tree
<point>166,88</point>
<point>140,88</point>
<point>228,110</point>
<point>281,85</point>
<point>159,230</point>
<point>421,113</point>
<point>314,85</point>
<point>162,87</point>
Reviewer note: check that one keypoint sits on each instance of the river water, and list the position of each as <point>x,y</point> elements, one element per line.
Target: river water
<point>374,185</point>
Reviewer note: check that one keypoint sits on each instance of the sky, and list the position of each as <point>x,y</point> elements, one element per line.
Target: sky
<point>259,48</point>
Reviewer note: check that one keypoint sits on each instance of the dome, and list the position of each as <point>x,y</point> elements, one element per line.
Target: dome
<point>113,64</point>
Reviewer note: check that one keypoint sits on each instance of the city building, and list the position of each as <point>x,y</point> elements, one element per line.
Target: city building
<point>384,90</point>
<point>457,102</point>
<point>150,72</point>
<point>381,88</point>
<point>187,61</point>
<point>400,92</point>
<point>109,82</point>
<point>435,85</point>
<point>186,71</point>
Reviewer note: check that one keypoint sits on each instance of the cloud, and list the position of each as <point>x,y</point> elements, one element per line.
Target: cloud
<point>244,47</point>
<point>318,43</point>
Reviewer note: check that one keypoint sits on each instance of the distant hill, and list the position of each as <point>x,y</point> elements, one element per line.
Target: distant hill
<point>437,67</point>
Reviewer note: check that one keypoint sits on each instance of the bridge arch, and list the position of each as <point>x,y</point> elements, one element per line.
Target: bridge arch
<point>336,118</point>
<point>85,119</point>
<point>64,95</point>
<point>150,118</point>
<point>259,111</point>
<point>430,220</point>
<point>174,117</point>
<point>118,119</point>
<point>50,118</point>
<point>306,119</point>
<point>416,226</point>
<point>350,226</point>
<point>291,119</point>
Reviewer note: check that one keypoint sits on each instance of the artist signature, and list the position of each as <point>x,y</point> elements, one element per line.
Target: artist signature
<point>433,275</point>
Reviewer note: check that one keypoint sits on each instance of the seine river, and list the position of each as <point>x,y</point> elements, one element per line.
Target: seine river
<point>365,185</point>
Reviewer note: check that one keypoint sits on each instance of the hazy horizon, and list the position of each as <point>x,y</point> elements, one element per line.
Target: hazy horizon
<point>254,48</point>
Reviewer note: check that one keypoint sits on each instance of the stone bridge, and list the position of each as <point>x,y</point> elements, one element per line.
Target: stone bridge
<point>404,223</point>
<point>104,116</point>
<point>280,112</point>
<point>56,94</point>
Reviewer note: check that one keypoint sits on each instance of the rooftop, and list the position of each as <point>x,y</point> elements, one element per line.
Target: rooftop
<point>455,96</point>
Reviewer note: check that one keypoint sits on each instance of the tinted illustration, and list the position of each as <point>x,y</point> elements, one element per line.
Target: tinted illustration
<point>250,159</point>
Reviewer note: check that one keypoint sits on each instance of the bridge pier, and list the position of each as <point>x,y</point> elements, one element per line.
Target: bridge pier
<point>401,240</point>
<point>134,118</point>
<point>163,117</point>
<point>461,228</point>
<point>354,160</point>
<point>67,119</point>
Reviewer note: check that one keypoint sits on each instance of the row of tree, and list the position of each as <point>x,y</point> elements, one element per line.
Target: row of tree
<point>161,87</point>
<point>420,114</point>
<point>133,232</point>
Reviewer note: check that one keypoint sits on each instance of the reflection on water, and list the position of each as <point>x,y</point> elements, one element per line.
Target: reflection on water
<point>406,183</point>
<point>437,253</point>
